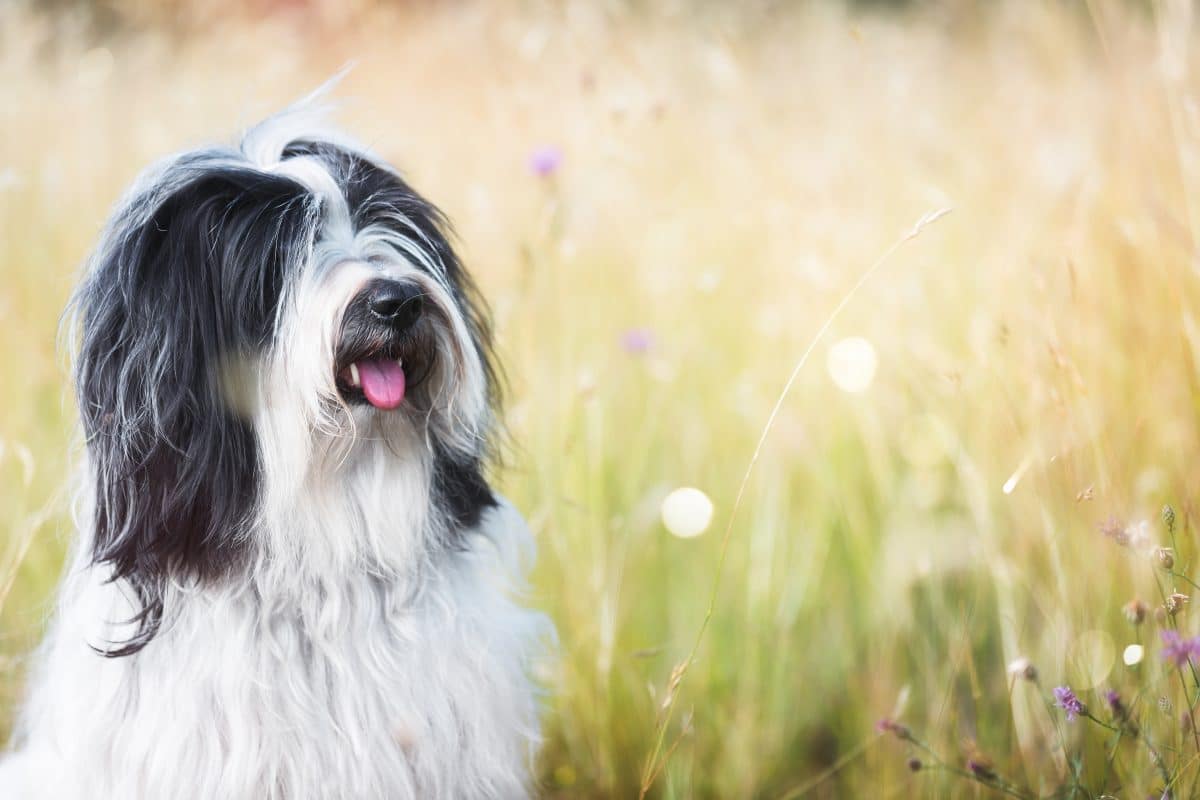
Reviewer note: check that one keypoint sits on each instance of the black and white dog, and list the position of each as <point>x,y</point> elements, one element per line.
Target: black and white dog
<point>292,578</point>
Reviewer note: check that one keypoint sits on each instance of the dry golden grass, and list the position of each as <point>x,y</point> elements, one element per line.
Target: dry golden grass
<point>728,177</point>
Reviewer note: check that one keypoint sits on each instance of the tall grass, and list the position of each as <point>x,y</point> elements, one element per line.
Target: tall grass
<point>727,178</point>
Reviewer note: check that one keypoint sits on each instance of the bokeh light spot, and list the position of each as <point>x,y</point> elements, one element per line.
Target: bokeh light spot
<point>687,512</point>
<point>1133,655</point>
<point>852,364</point>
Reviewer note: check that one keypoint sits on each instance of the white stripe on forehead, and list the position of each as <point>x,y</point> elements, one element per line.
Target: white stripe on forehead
<point>381,242</point>
<point>264,146</point>
<point>313,173</point>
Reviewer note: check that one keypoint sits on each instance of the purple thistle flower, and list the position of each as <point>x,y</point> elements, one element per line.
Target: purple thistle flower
<point>1174,648</point>
<point>636,341</point>
<point>1065,699</point>
<point>1178,649</point>
<point>886,725</point>
<point>545,161</point>
<point>1119,712</point>
<point>1119,532</point>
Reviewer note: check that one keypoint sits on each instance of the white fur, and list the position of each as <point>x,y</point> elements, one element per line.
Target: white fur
<point>357,656</point>
<point>325,686</point>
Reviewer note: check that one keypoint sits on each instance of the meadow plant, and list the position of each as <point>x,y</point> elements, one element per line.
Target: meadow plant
<point>1121,730</point>
<point>671,207</point>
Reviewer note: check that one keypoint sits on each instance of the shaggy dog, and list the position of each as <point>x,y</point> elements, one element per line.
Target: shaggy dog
<point>292,579</point>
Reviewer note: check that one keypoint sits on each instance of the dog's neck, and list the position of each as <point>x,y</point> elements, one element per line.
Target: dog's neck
<point>363,508</point>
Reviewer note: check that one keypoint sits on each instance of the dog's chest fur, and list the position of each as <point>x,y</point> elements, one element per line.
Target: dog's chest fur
<point>297,580</point>
<point>356,689</point>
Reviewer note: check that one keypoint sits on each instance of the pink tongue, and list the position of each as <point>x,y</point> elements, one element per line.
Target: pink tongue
<point>382,382</point>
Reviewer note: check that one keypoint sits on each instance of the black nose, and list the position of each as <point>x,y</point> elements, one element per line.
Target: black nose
<point>395,303</point>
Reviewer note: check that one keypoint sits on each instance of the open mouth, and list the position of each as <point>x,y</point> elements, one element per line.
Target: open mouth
<point>379,381</point>
<point>386,348</point>
<point>386,374</point>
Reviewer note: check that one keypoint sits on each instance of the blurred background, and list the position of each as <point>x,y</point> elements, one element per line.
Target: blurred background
<point>667,204</point>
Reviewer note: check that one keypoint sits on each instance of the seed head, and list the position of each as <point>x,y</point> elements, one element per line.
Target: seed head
<point>1023,668</point>
<point>1168,518</point>
<point>1135,611</point>
<point>1175,603</point>
<point>1164,557</point>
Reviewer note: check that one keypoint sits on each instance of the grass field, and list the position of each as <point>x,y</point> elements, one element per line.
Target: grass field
<point>727,178</point>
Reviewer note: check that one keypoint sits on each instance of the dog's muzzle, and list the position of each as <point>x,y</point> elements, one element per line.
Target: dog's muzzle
<point>386,347</point>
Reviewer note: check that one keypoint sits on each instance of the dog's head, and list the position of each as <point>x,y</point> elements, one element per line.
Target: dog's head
<point>254,320</point>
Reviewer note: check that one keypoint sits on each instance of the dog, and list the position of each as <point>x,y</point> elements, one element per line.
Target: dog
<point>292,578</point>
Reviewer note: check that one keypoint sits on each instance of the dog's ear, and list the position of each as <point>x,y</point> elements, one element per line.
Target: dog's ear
<point>180,298</point>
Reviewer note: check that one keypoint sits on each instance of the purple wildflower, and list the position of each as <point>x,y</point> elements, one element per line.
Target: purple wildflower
<point>1119,712</point>
<point>1065,699</point>
<point>1116,530</point>
<point>1178,649</point>
<point>545,161</point>
<point>636,341</point>
<point>886,725</point>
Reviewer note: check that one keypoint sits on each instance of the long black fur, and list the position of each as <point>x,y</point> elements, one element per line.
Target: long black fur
<point>189,285</point>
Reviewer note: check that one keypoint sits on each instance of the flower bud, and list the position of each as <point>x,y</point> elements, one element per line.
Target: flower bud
<point>1164,557</point>
<point>895,728</point>
<point>1023,668</point>
<point>1135,611</point>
